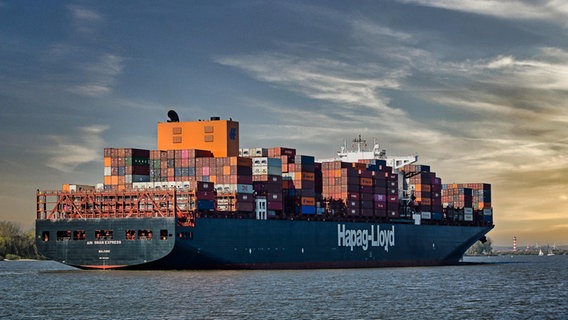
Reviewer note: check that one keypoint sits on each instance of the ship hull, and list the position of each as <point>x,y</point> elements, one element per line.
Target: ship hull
<point>217,243</point>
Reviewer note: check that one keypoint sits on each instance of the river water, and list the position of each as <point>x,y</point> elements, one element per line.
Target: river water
<point>520,287</point>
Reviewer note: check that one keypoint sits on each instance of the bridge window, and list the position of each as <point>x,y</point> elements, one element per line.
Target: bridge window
<point>145,234</point>
<point>103,234</point>
<point>45,236</point>
<point>163,234</point>
<point>130,235</point>
<point>64,235</point>
<point>79,235</point>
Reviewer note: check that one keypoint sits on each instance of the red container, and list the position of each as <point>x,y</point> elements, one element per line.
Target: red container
<point>380,205</point>
<point>352,196</point>
<point>274,196</point>
<point>392,198</point>
<point>353,211</point>
<point>245,206</point>
<point>244,197</point>
<point>281,151</point>
<point>274,205</point>
<point>205,195</point>
<point>203,186</point>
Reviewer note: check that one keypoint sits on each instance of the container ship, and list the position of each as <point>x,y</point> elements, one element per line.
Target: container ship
<point>200,201</point>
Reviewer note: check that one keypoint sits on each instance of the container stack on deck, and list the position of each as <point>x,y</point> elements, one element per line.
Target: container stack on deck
<point>427,189</point>
<point>457,196</point>
<point>480,195</point>
<point>233,179</point>
<point>123,166</point>
<point>267,180</point>
<point>360,189</point>
<point>279,181</point>
<point>340,187</point>
<point>473,198</point>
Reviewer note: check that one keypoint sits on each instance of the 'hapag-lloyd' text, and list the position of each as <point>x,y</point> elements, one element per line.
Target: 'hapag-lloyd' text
<point>374,237</point>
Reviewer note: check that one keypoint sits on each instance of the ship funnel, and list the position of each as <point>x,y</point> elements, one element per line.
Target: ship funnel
<point>173,116</point>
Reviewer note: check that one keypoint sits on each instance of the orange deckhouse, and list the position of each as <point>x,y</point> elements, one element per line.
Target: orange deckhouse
<point>221,137</point>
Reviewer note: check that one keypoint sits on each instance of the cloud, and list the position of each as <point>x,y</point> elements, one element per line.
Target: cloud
<point>99,76</point>
<point>85,21</point>
<point>500,116</point>
<point>66,153</point>
<point>321,78</point>
<point>545,10</point>
<point>524,97</point>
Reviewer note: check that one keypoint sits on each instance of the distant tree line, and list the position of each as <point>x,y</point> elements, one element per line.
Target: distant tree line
<point>16,244</point>
<point>480,248</point>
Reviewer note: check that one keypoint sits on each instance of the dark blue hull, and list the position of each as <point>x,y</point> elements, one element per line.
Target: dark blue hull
<point>217,243</point>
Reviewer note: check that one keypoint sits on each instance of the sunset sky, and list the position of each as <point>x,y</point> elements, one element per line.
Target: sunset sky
<point>479,89</point>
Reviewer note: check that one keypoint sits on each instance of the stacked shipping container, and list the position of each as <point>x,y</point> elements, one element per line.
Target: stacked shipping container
<point>360,189</point>
<point>294,184</point>
<point>233,179</point>
<point>123,166</point>
<point>267,181</point>
<point>298,180</point>
<point>472,195</point>
<point>426,187</point>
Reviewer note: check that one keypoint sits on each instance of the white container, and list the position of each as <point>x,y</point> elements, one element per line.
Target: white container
<point>234,188</point>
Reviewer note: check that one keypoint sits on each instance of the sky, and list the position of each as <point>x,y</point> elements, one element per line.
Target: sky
<point>478,89</point>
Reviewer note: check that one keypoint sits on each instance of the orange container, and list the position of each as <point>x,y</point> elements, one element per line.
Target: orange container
<point>366,182</point>
<point>107,161</point>
<point>308,201</point>
<point>308,176</point>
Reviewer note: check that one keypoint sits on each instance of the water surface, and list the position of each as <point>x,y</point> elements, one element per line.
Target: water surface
<point>520,287</point>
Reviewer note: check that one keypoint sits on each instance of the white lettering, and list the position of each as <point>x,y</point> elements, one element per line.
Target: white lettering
<point>365,238</point>
<point>104,242</point>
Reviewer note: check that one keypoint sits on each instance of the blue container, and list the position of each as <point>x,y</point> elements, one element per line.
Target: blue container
<point>308,210</point>
<point>304,159</point>
<point>488,219</point>
<point>205,204</point>
<point>436,216</point>
<point>140,178</point>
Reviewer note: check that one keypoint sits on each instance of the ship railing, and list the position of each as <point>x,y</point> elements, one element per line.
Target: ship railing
<point>90,204</point>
